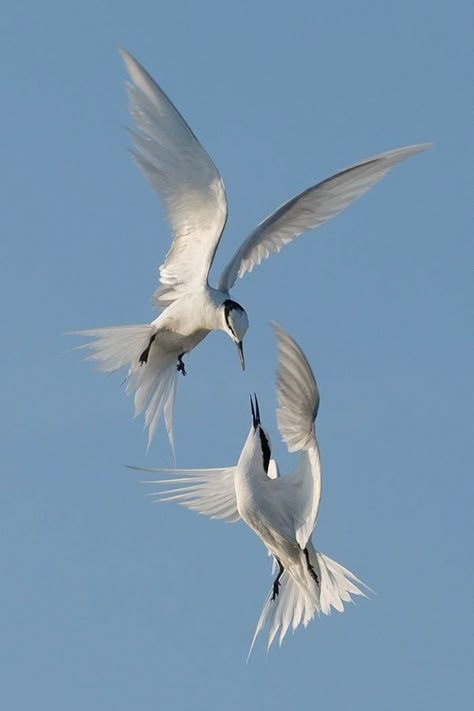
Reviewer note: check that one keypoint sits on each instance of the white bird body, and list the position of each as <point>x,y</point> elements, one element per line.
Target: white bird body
<point>192,194</point>
<point>181,328</point>
<point>282,511</point>
<point>269,506</point>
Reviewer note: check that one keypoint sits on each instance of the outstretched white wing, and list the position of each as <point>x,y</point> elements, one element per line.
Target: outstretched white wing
<point>297,393</point>
<point>208,491</point>
<point>310,209</point>
<point>186,180</point>
<point>298,400</point>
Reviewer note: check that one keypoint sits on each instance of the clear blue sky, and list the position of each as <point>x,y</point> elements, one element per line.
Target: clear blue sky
<point>109,603</point>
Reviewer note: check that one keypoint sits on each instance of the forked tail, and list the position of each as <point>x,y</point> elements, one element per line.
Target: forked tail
<point>300,597</point>
<point>153,382</point>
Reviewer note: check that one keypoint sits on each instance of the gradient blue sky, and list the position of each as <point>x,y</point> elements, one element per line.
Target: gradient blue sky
<point>110,603</point>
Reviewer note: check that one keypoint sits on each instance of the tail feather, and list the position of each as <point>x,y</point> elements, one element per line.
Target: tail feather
<point>116,347</point>
<point>154,383</point>
<point>155,391</point>
<point>337,584</point>
<point>300,598</point>
<point>294,605</point>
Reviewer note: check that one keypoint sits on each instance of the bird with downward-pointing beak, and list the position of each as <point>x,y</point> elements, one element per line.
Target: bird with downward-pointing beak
<point>281,510</point>
<point>193,197</point>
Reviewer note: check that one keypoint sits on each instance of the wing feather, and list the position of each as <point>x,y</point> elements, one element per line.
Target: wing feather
<point>297,394</point>
<point>209,491</point>
<point>310,209</point>
<point>186,180</point>
<point>298,400</point>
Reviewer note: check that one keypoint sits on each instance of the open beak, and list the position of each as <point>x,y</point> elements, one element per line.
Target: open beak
<point>240,349</point>
<point>255,410</point>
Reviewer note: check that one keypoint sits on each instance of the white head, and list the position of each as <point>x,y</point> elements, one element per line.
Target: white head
<point>236,323</point>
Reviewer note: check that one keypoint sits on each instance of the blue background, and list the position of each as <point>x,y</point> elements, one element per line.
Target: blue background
<point>111,603</point>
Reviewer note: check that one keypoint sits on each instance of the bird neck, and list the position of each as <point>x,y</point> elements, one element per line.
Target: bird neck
<point>250,462</point>
<point>214,310</point>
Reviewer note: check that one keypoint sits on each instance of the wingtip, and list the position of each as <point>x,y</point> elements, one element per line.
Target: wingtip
<point>425,146</point>
<point>282,336</point>
<point>280,333</point>
<point>419,147</point>
<point>389,159</point>
<point>399,154</point>
<point>126,57</point>
<point>136,468</point>
<point>125,54</point>
<point>133,67</point>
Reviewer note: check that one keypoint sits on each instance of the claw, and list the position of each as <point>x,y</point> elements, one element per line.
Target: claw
<point>144,356</point>
<point>180,365</point>
<point>310,568</point>
<point>276,582</point>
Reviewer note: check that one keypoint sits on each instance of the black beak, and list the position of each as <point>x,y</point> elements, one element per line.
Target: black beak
<point>255,412</point>
<point>240,348</point>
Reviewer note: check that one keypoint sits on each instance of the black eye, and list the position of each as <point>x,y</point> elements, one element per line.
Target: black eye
<point>266,452</point>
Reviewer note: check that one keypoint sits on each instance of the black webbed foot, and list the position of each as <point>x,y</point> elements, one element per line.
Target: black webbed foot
<point>144,356</point>
<point>180,365</point>
<point>314,575</point>
<point>276,583</point>
<point>310,568</point>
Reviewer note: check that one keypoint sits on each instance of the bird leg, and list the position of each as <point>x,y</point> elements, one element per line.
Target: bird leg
<point>310,567</point>
<point>144,356</point>
<point>180,366</point>
<point>276,583</point>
